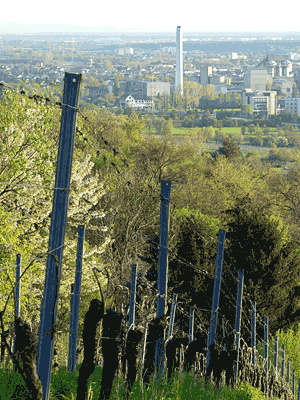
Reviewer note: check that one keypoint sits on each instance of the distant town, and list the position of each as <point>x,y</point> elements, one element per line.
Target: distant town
<point>257,75</point>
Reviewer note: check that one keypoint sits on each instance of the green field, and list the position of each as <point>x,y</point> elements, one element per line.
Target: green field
<point>228,130</point>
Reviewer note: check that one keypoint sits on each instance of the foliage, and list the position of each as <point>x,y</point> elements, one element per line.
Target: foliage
<point>258,241</point>
<point>29,141</point>
<point>229,149</point>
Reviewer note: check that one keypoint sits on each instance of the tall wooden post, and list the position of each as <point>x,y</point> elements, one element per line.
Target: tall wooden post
<point>238,318</point>
<point>162,269</point>
<point>282,365</point>
<point>216,296</point>
<point>17,296</point>
<point>172,316</point>
<point>57,230</point>
<point>191,325</point>
<point>266,331</point>
<point>253,330</point>
<point>132,298</point>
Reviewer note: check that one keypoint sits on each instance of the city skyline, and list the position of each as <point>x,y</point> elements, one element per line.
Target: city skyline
<point>160,17</point>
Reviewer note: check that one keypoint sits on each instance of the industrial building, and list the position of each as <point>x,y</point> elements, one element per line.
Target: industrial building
<point>292,104</point>
<point>179,61</point>
<point>256,78</point>
<point>264,101</point>
<point>141,88</point>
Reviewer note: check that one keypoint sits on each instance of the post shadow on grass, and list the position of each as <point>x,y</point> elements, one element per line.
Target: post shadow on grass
<point>156,329</point>
<point>26,348</point>
<point>134,338</point>
<point>199,345</point>
<point>91,321</point>
<point>4,336</point>
<point>173,347</point>
<point>111,340</point>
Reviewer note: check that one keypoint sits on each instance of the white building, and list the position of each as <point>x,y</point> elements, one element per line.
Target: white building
<point>292,104</point>
<point>131,102</point>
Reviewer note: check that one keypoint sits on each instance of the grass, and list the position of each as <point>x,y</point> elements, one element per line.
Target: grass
<point>228,130</point>
<point>181,386</point>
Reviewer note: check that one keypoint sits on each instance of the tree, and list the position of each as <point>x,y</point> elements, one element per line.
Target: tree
<point>256,141</point>
<point>248,109</point>
<point>282,141</point>
<point>28,150</point>
<point>285,195</point>
<point>295,90</point>
<point>258,241</point>
<point>229,149</point>
<point>251,128</point>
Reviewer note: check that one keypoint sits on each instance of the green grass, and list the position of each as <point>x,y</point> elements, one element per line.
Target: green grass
<point>228,130</point>
<point>181,386</point>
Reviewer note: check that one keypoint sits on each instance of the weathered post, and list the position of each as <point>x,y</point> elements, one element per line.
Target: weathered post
<point>57,230</point>
<point>266,349</point>
<point>238,317</point>
<point>17,297</point>
<point>191,326</point>
<point>293,382</point>
<point>162,269</point>
<point>75,303</point>
<point>132,297</point>
<point>282,365</point>
<point>216,296</point>
<point>172,317</point>
<point>276,357</point>
<point>253,330</point>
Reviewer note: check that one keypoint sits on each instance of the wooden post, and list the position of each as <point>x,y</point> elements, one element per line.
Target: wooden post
<point>191,325</point>
<point>57,230</point>
<point>253,330</point>
<point>162,269</point>
<point>266,349</point>
<point>17,297</point>
<point>238,317</point>
<point>132,298</point>
<point>282,365</point>
<point>216,296</point>
<point>172,316</point>
<point>276,357</point>
<point>75,302</point>
<point>276,354</point>
<point>293,382</point>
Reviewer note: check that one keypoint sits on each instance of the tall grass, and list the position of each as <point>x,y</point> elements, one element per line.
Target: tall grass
<point>182,385</point>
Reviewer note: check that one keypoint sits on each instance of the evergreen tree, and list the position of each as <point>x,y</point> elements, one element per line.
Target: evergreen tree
<point>230,149</point>
<point>271,263</point>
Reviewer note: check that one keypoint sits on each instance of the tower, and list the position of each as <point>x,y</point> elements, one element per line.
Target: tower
<point>179,62</point>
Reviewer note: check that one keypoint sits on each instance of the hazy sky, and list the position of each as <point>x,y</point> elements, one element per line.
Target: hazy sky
<point>156,15</point>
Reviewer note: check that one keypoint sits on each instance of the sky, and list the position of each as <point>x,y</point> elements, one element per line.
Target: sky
<point>32,16</point>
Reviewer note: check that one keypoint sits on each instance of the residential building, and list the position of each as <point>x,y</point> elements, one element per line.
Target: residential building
<point>130,101</point>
